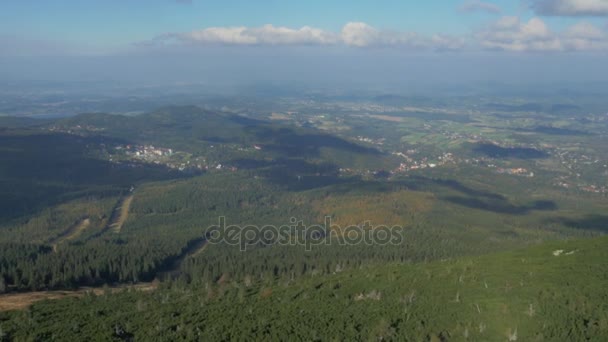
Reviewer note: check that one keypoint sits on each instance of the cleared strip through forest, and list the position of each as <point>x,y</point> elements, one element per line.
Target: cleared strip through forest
<point>20,301</point>
<point>120,214</point>
<point>194,248</point>
<point>72,233</point>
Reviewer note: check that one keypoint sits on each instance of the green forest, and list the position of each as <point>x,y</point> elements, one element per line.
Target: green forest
<point>530,294</point>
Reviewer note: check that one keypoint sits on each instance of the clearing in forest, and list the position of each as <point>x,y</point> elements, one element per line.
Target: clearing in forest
<point>121,213</point>
<point>72,233</point>
<point>20,301</point>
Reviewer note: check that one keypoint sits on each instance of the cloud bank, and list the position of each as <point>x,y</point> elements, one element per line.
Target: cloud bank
<point>509,33</point>
<point>570,7</point>
<point>353,34</point>
<point>265,35</point>
<point>512,34</point>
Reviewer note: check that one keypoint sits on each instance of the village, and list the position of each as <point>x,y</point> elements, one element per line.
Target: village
<point>175,160</point>
<point>412,159</point>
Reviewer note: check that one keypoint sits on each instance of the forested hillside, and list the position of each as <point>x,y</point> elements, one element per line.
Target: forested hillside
<point>555,291</point>
<point>102,200</point>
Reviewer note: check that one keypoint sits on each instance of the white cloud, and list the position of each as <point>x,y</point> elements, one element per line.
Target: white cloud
<point>585,30</point>
<point>359,34</point>
<point>570,7</point>
<point>585,36</point>
<point>362,35</point>
<point>265,35</point>
<point>511,34</point>
<point>508,33</point>
<point>480,6</point>
<point>353,34</point>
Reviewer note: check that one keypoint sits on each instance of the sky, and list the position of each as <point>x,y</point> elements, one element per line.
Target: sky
<point>42,39</point>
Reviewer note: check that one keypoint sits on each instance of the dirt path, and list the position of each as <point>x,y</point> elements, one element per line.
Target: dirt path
<point>72,233</point>
<point>199,250</point>
<point>195,248</point>
<point>120,217</point>
<point>20,301</point>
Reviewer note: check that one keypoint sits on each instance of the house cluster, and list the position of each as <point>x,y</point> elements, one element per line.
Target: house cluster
<point>145,152</point>
<point>220,167</point>
<point>424,163</point>
<point>576,164</point>
<point>159,156</point>
<point>595,189</point>
<point>587,188</point>
<point>518,171</point>
<point>371,141</point>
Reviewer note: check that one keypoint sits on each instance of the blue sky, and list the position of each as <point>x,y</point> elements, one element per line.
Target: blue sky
<point>103,25</point>
<point>132,19</point>
<point>475,38</point>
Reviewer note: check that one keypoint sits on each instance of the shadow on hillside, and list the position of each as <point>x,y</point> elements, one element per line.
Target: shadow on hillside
<point>471,198</point>
<point>232,136</point>
<point>413,183</point>
<point>458,186</point>
<point>290,143</point>
<point>41,170</point>
<point>501,206</point>
<point>245,121</point>
<point>495,151</point>
<point>596,222</point>
<point>294,174</point>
